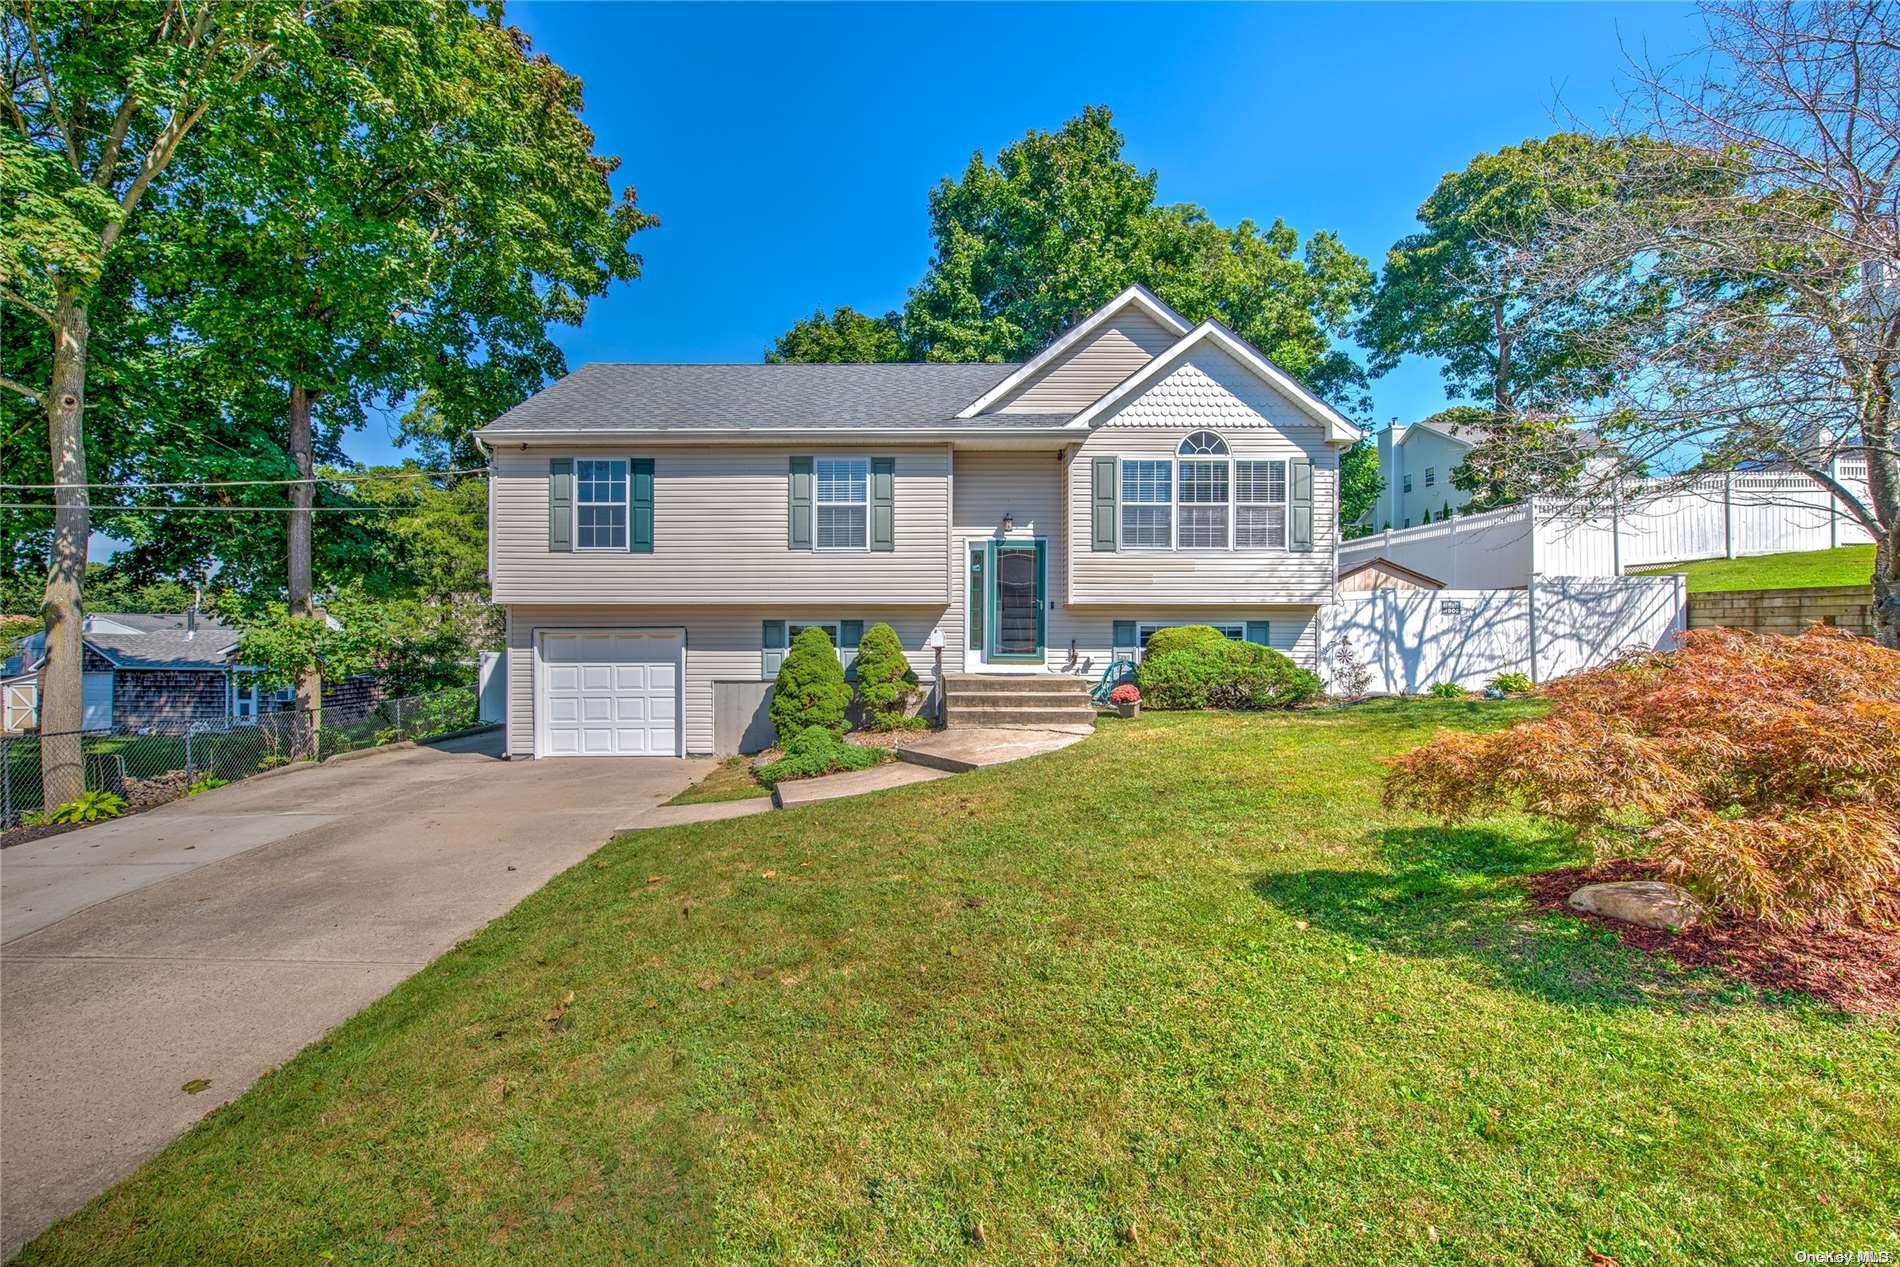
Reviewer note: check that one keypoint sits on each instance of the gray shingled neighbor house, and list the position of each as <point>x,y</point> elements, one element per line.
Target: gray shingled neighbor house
<point>163,672</point>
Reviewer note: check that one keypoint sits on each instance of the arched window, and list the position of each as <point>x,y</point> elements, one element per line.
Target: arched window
<point>1202,442</point>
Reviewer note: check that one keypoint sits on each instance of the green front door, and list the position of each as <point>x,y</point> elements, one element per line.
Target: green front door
<point>1017,600</point>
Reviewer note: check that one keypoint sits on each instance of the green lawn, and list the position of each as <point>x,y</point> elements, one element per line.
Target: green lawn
<point>731,780</point>
<point>1182,992</point>
<point>1803,569</point>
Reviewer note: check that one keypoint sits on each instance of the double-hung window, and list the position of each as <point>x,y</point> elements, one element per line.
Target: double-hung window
<point>1147,504</point>
<point>1431,476</point>
<point>1260,504</point>
<point>1203,492</point>
<point>843,503</point>
<point>600,504</point>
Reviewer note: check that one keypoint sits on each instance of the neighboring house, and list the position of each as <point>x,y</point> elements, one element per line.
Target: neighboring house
<point>1384,574</point>
<point>1416,463</point>
<point>659,533</point>
<point>165,672</point>
<point>148,671</point>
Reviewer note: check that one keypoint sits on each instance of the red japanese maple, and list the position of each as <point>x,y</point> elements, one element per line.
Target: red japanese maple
<point>1763,772</point>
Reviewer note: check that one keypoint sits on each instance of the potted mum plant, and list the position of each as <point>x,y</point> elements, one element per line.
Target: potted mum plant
<point>1126,698</point>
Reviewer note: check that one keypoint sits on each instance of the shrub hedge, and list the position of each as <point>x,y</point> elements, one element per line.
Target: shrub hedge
<point>886,682</point>
<point>1191,671</point>
<point>817,750</point>
<point>810,689</point>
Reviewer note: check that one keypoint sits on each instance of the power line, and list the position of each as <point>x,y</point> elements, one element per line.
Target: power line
<point>314,479</point>
<point>219,510</point>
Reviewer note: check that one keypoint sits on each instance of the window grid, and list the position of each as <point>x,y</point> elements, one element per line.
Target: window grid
<point>600,504</point>
<point>1147,493</point>
<point>842,503</point>
<point>1260,504</point>
<point>1232,631</point>
<point>1204,501</point>
<point>1431,476</point>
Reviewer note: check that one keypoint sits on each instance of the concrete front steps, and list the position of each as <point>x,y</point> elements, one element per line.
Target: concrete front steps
<point>1033,700</point>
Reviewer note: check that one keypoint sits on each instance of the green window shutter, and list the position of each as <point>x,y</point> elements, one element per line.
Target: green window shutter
<point>1257,632</point>
<point>850,634</point>
<point>561,504</point>
<point>1102,518</point>
<point>640,485</point>
<point>1300,495</point>
<point>1125,644</point>
<point>772,645</point>
<point>883,511</point>
<point>800,504</point>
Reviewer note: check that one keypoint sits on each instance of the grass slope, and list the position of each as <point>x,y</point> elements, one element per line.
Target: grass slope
<point>1802,569</point>
<point>730,780</point>
<point>1182,992</point>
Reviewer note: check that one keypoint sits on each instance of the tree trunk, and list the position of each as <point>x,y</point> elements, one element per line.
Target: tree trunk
<point>297,572</point>
<point>1887,588</point>
<point>62,679</point>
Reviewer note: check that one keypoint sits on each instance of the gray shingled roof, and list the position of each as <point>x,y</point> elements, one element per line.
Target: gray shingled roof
<point>209,648</point>
<point>623,397</point>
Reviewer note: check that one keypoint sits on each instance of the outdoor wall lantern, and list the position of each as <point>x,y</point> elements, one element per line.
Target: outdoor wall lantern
<point>1009,523</point>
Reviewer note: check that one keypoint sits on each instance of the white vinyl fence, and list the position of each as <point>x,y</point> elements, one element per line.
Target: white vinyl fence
<point>1413,639</point>
<point>1717,516</point>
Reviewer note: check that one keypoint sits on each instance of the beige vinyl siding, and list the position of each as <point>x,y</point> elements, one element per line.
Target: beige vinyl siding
<point>1027,485</point>
<point>1208,390</point>
<point>1122,346</point>
<point>719,532</point>
<point>722,645</point>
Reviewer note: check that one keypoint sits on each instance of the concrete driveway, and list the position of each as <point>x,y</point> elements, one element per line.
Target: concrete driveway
<point>214,938</point>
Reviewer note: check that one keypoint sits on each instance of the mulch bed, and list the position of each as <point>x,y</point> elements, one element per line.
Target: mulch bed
<point>1856,969</point>
<point>21,835</point>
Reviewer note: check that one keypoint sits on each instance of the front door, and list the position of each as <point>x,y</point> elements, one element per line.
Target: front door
<point>1013,581</point>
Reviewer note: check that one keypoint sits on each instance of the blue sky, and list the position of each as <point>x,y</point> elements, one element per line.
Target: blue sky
<point>788,149</point>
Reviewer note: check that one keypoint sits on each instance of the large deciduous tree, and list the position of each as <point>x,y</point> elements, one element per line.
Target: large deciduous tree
<point>1770,223</point>
<point>102,99</point>
<point>405,212</point>
<point>1466,288</point>
<point>1060,223</point>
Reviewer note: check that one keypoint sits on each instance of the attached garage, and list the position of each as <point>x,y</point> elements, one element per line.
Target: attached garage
<point>609,692</point>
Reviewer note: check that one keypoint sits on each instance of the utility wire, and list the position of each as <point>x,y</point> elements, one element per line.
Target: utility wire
<point>314,479</point>
<point>219,510</point>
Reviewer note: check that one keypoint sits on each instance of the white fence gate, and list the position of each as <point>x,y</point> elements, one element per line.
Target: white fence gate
<point>1413,639</point>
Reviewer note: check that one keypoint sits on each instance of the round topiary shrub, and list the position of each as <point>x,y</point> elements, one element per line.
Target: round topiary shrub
<point>1222,673</point>
<point>810,689</point>
<point>886,682</point>
<point>1162,641</point>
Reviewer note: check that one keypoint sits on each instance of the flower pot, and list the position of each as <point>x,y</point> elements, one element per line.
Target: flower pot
<point>1129,710</point>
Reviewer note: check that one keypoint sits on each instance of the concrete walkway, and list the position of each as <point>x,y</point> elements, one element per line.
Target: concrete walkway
<point>216,937</point>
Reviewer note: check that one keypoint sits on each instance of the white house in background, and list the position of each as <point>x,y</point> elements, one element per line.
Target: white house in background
<point>659,533</point>
<point>1416,463</point>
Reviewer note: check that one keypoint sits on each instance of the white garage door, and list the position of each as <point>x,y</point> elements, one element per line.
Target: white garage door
<point>610,693</point>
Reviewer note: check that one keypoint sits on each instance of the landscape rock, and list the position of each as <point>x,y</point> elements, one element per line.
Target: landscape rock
<point>1649,903</point>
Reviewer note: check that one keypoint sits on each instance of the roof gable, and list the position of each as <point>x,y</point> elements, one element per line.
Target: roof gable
<point>1198,361</point>
<point>1088,358</point>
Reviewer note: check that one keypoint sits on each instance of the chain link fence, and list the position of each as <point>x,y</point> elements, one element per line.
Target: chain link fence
<point>150,766</point>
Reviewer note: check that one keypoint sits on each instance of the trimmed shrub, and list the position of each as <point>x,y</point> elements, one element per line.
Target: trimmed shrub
<point>810,689</point>
<point>1222,673</point>
<point>886,682</point>
<point>1785,809</point>
<point>1162,641</point>
<point>1513,684</point>
<point>816,750</point>
<point>1447,690</point>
